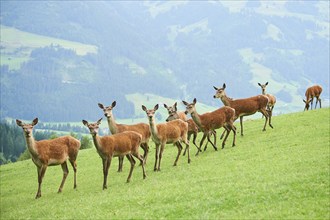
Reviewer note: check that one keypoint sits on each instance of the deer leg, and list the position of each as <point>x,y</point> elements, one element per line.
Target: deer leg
<point>209,140</point>
<point>233,128</point>
<point>186,141</point>
<point>161,154</point>
<point>270,117</point>
<point>41,172</point>
<point>141,159</point>
<point>201,143</point>
<point>241,122</point>
<point>74,166</point>
<point>178,145</point>
<point>214,137</point>
<point>121,161</point>
<point>223,134</point>
<point>145,148</point>
<point>185,150</point>
<point>65,174</point>
<point>224,140</point>
<point>320,102</point>
<point>156,156</point>
<point>106,166</point>
<point>194,141</point>
<point>264,112</point>
<point>132,161</point>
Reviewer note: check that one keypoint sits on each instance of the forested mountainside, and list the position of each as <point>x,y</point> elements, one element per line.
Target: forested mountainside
<point>60,58</point>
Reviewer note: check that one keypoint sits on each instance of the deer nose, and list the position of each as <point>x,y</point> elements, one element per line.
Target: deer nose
<point>214,96</point>
<point>186,112</point>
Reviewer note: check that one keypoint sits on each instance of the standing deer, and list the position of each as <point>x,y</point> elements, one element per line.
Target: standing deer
<point>141,128</point>
<point>192,130</point>
<point>167,133</point>
<point>311,92</point>
<point>173,109</point>
<point>271,99</point>
<point>207,122</point>
<point>53,152</point>
<point>122,144</point>
<point>245,107</point>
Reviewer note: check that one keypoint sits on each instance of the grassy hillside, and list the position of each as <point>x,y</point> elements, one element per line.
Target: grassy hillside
<point>17,46</point>
<point>280,173</point>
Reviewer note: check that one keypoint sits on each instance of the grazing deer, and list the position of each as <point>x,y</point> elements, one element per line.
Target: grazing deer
<point>271,98</point>
<point>141,128</point>
<point>207,122</point>
<point>53,152</point>
<point>167,133</point>
<point>192,130</point>
<point>311,92</point>
<point>121,144</point>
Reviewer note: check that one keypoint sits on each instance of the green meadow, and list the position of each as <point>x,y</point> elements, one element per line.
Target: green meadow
<point>282,173</point>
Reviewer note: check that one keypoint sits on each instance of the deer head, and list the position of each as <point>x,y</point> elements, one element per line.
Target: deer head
<point>171,109</point>
<point>220,91</point>
<point>27,128</point>
<point>263,87</point>
<point>307,104</point>
<point>150,112</point>
<point>107,110</point>
<point>93,127</point>
<point>190,108</point>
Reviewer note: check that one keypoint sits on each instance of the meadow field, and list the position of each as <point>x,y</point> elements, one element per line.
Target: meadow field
<point>282,173</point>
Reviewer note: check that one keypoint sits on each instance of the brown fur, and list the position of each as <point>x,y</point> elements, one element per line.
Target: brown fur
<point>271,98</point>
<point>207,122</point>
<point>53,152</point>
<point>122,144</point>
<point>311,92</point>
<point>245,107</point>
<point>167,133</point>
<point>141,128</point>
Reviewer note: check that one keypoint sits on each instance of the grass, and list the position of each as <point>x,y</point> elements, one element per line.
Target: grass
<point>283,173</point>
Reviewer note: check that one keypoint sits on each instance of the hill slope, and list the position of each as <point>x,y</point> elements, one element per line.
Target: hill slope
<point>281,173</point>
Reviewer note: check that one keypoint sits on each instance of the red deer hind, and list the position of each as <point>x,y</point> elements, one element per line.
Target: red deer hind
<point>122,144</point>
<point>53,152</point>
<point>244,107</point>
<point>271,98</point>
<point>311,92</point>
<point>172,132</point>
<point>207,122</point>
<point>141,128</point>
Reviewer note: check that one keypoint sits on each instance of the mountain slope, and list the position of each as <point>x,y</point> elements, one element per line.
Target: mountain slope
<point>281,173</point>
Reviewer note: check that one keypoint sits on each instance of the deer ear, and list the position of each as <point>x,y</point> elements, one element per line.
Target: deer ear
<point>215,88</point>
<point>156,107</point>
<point>19,122</point>
<point>165,105</point>
<point>266,83</point>
<point>99,121</point>
<point>185,103</point>
<point>35,121</point>
<point>224,85</point>
<point>259,84</point>
<point>85,122</point>
<point>303,101</point>
<point>113,104</point>
<point>194,101</point>
<point>175,104</point>
<point>100,105</point>
<point>144,108</point>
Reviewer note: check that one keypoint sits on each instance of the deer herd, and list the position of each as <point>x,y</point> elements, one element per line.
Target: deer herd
<point>125,140</point>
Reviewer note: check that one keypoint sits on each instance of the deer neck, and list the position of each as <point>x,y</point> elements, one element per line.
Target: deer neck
<point>226,100</point>
<point>97,141</point>
<point>31,144</point>
<point>153,128</point>
<point>112,124</point>
<point>196,118</point>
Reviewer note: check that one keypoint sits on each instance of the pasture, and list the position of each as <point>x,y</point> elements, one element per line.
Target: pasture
<point>282,173</point>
